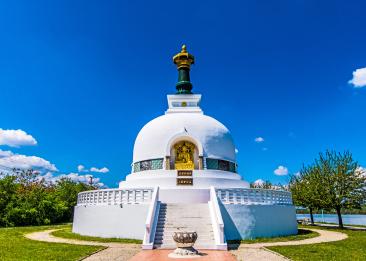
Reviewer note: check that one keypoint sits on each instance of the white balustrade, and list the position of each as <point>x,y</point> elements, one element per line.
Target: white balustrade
<point>151,221</point>
<point>115,196</point>
<point>253,196</point>
<point>217,221</point>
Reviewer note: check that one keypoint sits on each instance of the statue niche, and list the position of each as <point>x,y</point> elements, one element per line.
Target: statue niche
<point>184,155</point>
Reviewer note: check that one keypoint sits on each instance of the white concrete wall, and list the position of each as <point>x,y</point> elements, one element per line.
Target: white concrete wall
<point>111,221</point>
<point>252,221</point>
<point>168,179</point>
<point>184,195</point>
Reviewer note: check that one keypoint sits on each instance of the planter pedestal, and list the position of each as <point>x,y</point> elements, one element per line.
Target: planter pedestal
<point>185,242</point>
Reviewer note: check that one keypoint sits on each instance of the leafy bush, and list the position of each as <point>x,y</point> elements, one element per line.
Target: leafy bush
<point>27,199</point>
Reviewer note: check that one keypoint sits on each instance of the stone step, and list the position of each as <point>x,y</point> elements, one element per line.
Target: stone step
<point>166,241</point>
<point>179,217</point>
<point>176,213</point>
<point>185,229</point>
<point>170,236</point>
<point>185,213</point>
<point>169,241</point>
<point>184,219</point>
<point>200,209</point>
<point>173,246</point>
<point>200,233</point>
<point>184,224</point>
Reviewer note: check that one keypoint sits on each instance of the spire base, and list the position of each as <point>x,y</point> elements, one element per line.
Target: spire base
<point>183,61</point>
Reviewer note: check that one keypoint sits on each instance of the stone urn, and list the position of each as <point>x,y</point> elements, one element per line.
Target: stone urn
<point>185,242</point>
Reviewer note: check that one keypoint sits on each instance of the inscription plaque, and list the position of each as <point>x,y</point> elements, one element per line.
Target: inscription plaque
<point>184,173</point>
<point>185,181</point>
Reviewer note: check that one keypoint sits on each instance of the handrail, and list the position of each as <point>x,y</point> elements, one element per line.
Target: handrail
<point>148,241</point>
<point>114,196</point>
<point>254,196</point>
<point>217,220</point>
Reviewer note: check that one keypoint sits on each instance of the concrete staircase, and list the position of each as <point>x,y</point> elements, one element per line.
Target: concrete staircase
<point>184,217</point>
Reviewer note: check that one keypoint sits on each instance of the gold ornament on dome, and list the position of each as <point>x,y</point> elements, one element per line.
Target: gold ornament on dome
<point>183,59</point>
<point>184,152</point>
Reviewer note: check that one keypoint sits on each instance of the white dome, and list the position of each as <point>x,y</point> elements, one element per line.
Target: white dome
<point>155,137</point>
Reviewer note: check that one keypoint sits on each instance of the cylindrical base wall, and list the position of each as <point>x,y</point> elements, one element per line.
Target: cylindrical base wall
<point>253,221</point>
<point>111,221</point>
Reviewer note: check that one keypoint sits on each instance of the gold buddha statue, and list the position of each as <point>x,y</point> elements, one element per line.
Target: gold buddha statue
<point>184,155</point>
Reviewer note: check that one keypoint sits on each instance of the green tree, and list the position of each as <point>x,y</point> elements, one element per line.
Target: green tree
<point>8,189</point>
<point>307,189</point>
<point>27,199</point>
<point>343,180</point>
<point>34,203</point>
<point>67,191</point>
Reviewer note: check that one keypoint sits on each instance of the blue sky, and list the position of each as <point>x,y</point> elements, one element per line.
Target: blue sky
<point>83,77</point>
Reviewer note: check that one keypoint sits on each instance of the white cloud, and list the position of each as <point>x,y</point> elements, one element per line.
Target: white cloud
<point>264,149</point>
<point>359,78</point>
<point>259,139</point>
<point>281,171</point>
<point>10,160</point>
<point>236,151</point>
<point>16,138</point>
<point>81,168</point>
<point>102,170</point>
<point>80,178</point>
<point>5,153</point>
<point>361,170</point>
<point>74,177</point>
<point>258,182</point>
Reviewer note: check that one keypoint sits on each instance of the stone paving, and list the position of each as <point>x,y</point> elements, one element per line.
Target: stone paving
<point>113,251</point>
<point>162,255</point>
<point>257,254</point>
<point>132,252</point>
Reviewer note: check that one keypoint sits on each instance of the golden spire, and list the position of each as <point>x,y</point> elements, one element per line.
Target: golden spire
<point>183,59</point>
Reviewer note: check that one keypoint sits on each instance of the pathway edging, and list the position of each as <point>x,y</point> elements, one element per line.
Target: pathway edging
<point>247,252</point>
<point>112,251</point>
<point>260,252</point>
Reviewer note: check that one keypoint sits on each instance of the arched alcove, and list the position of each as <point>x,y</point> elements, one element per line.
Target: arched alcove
<point>184,156</point>
<point>192,147</point>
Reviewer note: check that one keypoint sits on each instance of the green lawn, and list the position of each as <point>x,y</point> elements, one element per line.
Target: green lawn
<point>302,234</point>
<point>353,248</point>
<point>66,233</point>
<point>14,246</point>
<point>328,223</point>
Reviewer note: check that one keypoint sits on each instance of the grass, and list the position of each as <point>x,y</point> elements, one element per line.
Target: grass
<point>14,246</point>
<point>352,248</point>
<point>67,233</point>
<point>302,234</point>
<point>346,225</point>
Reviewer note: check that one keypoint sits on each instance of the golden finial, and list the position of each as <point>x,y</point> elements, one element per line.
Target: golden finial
<point>183,59</point>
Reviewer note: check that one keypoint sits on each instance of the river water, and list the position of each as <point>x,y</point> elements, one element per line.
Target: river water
<point>332,218</point>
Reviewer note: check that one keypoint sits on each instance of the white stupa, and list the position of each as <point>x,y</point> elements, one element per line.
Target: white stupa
<point>212,158</point>
<point>184,177</point>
